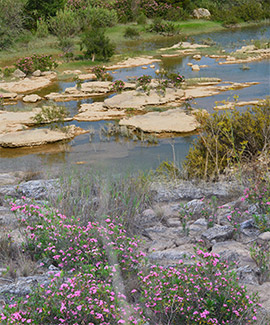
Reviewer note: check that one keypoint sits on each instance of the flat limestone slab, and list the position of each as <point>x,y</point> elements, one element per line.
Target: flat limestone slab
<point>28,84</point>
<point>37,137</point>
<point>97,112</point>
<point>133,62</point>
<point>16,121</point>
<point>87,89</point>
<point>173,120</point>
<point>138,100</point>
<point>202,91</point>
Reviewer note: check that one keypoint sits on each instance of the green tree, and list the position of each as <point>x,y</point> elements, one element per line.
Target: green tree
<point>11,21</point>
<point>35,9</point>
<point>96,44</point>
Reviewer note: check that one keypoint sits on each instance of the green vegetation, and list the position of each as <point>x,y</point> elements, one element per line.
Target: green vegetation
<point>229,139</point>
<point>53,115</point>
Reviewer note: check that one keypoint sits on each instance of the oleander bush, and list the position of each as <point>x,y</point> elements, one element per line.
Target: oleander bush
<point>35,62</point>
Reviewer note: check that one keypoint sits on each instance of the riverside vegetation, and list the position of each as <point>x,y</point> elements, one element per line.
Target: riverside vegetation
<point>77,30</point>
<point>100,274</point>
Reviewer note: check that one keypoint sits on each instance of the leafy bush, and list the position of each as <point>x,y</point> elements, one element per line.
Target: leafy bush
<point>98,17</point>
<point>54,115</point>
<point>65,24</point>
<point>118,86</point>
<point>97,45</point>
<point>42,28</point>
<point>144,82</point>
<point>11,21</point>
<point>35,62</point>
<point>41,9</point>
<point>7,72</point>
<point>162,27</point>
<point>204,292</point>
<point>175,78</point>
<point>141,19</point>
<point>228,139</point>
<point>131,32</point>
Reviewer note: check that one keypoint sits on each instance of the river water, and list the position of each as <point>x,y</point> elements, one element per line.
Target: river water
<point>119,155</point>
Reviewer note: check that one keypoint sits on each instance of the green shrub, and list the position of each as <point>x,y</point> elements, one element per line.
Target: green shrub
<point>118,86</point>
<point>98,17</point>
<point>41,8</point>
<point>162,27</point>
<point>131,32</point>
<point>42,28</point>
<point>96,45</point>
<point>11,21</point>
<point>53,115</point>
<point>65,24</point>
<point>227,139</point>
<point>7,72</point>
<point>141,19</point>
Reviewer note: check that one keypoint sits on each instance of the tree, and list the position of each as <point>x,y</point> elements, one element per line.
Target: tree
<point>96,44</point>
<point>35,9</point>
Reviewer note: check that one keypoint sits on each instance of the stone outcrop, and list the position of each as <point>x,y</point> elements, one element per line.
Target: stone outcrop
<point>19,74</point>
<point>86,90</point>
<point>201,13</point>
<point>97,112</point>
<point>38,137</point>
<point>133,62</point>
<point>171,121</point>
<point>138,100</point>
<point>16,121</point>
<point>33,98</point>
<point>28,84</point>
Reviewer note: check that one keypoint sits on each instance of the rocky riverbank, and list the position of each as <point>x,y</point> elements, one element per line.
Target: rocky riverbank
<point>169,235</point>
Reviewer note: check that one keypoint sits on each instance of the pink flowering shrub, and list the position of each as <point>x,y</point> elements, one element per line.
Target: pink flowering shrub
<point>35,62</point>
<point>91,257</point>
<point>259,194</point>
<point>117,86</point>
<point>205,291</point>
<point>98,259</point>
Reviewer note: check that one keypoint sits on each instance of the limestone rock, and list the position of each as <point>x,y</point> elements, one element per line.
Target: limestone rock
<point>264,238</point>
<point>197,57</point>
<point>28,84</point>
<point>87,76</point>
<point>201,13</point>
<point>217,234</point>
<point>33,98</point>
<point>173,120</point>
<point>195,67</point>
<point>36,73</point>
<point>133,62</point>
<point>138,100</point>
<point>96,112</point>
<point>37,137</point>
<point>19,74</point>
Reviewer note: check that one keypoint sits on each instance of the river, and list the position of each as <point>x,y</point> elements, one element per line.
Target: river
<point>119,155</point>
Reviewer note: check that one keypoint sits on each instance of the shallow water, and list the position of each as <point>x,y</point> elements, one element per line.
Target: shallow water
<point>122,155</point>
